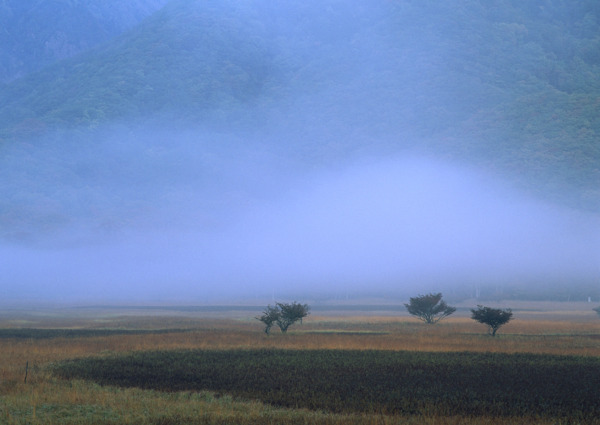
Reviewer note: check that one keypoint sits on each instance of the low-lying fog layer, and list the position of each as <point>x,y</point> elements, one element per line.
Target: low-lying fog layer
<point>297,182</point>
<point>382,225</point>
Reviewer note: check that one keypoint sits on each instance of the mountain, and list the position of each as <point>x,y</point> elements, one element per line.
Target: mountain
<point>37,33</point>
<point>510,86</point>
<point>187,58</point>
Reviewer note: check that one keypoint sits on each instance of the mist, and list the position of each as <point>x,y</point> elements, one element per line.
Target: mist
<point>338,177</point>
<point>258,225</point>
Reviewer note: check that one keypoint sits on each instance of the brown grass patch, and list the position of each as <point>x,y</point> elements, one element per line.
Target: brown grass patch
<point>43,395</point>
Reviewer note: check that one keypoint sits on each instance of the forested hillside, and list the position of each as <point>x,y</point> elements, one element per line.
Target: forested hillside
<point>510,86</point>
<point>37,33</point>
<point>189,59</point>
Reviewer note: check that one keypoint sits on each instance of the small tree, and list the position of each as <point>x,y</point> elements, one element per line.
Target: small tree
<point>493,317</point>
<point>429,308</point>
<point>597,310</point>
<point>290,314</point>
<point>269,317</point>
<point>284,315</point>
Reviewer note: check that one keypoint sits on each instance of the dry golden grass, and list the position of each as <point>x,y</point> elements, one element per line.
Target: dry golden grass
<point>44,399</point>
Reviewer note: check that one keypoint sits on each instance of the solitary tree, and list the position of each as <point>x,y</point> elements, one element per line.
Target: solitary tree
<point>284,315</point>
<point>493,317</point>
<point>429,308</point>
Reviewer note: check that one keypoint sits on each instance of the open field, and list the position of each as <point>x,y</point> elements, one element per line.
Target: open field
<point>44,338</point>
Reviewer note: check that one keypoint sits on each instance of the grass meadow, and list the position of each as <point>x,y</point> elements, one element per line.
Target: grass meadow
<point>34,344</point>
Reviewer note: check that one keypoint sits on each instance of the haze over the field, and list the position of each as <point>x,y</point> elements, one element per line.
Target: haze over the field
<point>255,225</point>
<point>345,165</point>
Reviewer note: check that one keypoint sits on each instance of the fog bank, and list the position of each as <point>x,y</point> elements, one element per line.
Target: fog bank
<point>382,225</point>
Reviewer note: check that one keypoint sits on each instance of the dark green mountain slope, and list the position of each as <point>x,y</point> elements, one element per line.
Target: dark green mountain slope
<point>521,82</point>
<point>513,86</point>
<point>188,58</point>
<point>37,33</point>
<point>474,67</point>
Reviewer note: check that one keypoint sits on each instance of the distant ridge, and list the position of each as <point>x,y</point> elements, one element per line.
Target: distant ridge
<point>513,87</point>
<point>37,33</point>
<point>187,58</point>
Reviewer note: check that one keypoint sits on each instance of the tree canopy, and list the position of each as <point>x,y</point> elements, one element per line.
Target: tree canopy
<point>494,318</point>
<point>429,308</point>
<point>284,315</point>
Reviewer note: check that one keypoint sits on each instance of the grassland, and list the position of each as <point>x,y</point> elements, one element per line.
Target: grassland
<point>45,398</point>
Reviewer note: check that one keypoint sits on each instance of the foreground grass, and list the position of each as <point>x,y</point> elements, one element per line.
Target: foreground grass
<point>82,403</point>
<point>45,399</point>
<point>366,381</point>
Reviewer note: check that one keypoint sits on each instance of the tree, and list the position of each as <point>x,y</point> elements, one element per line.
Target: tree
<point>269,317</point>
<point>429,308</point>
<point>597,310</point>
<point>493,317</point>
<point>284,315</point>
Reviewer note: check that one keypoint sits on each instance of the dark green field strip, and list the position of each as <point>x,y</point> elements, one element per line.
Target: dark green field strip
<point>366,381</point>
<point>37,333</point>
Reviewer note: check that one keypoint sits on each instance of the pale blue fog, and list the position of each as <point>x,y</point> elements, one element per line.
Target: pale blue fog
<point>325,150</point>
